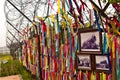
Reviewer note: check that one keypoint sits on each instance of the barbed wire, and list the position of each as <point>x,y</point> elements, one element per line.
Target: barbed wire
<point>32,8</point>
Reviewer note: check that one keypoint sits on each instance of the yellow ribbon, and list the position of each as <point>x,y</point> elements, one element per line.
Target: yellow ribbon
<point>108,41</point>
<point>88,24</point>
<point>52,17</point>
<point>80,73</point>
<point>56,28</point>
<point>92,76</point>
<point>113,49</point>
<point>62,67</point>
<point>113,1</point>
<point>63,24</point>
<point>48,32</point>
<point>69,22</point>
<point>63,6</point>
<point>87,74</point>
<point>94,7</point>
<point>103,76</point>
<point>114,28</point>
<point>58,6</point>
<point>29,57</point>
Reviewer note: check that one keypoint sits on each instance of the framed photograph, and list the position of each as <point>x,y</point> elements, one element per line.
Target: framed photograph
<point>101,62</point>
<point>84,62</point>
<point>90,41</point>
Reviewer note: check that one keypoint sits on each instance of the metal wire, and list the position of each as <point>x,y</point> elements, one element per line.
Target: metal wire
<point>32,8</point>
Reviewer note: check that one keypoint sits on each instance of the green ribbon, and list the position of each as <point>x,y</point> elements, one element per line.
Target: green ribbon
<point>58,26</point>
<point>117,65</point>
<point>104,44</point>
<point>67,5</point>
<point>113,1</point>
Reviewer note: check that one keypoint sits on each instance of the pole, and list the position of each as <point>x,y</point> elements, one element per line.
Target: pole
<point>99,10</point>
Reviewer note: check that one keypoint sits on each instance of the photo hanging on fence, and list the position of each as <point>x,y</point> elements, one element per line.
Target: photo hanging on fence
<point>90,41</point>
<point>84,62</point>
<point>102,62</point>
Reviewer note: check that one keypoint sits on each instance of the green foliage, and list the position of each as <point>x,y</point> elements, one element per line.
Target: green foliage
<point>14,67</point>
<point>5,57</point>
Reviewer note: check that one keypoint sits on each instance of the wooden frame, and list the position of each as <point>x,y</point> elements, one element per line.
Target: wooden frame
<point>102,63</point>
<point>90,41</point>
<point>83,62</point>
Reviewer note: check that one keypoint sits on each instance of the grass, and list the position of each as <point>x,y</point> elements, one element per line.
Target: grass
<point>14,67</point>
<point>5,57</point>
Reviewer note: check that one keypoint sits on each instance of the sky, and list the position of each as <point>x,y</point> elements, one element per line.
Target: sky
<point>2,25</point>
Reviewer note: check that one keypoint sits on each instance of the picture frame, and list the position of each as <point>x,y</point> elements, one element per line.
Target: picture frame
<point>83,62</point>
<point>90,41</point>
<point>102,63</point>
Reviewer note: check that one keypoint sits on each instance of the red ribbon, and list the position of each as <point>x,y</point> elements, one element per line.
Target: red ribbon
<point>89,74</point>
<point>53,50</point>
<point>28,42</point>
<point>79,11</point>
<point>106,24</point>
<point>43,74</point>
<point>97,76</point>
<point>82,75</point>
<point>53,76</point>
<point>66,50</point>
<point>73,12</point>
<point>55,63</point>
<point>117,22</point>
<point>46,75</point>
<point>44,28</point>
<point>36,39</point>
<point>78,78</point>
<point>106,76</point>
<point>71,64</point>
<point>117,7</point>
<point>119,49</point>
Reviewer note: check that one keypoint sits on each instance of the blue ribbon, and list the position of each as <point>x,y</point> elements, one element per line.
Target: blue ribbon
<point>70,4</point>
<point>96,17</point>
<point>76,43</point>
<point>58,22</point>
<point>78,46</point>
<point>57,45</point>
<point>104,44</point>
<point>109,62</point>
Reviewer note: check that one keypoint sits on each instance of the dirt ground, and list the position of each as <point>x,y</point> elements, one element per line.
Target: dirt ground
<point>14,77</point>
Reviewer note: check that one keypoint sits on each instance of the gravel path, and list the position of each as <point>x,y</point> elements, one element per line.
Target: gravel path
<point>14,77</point>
